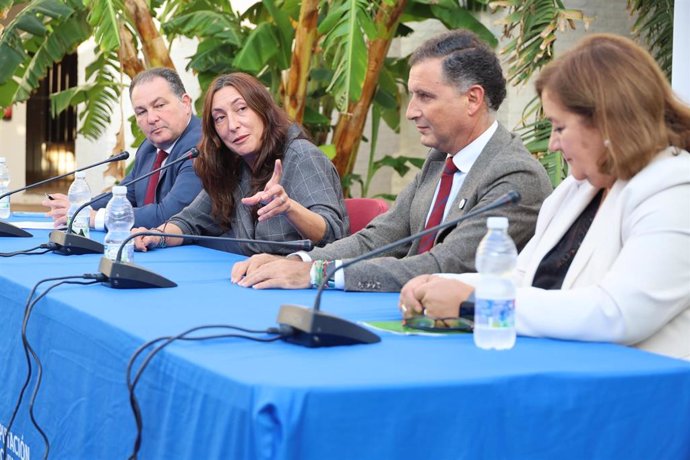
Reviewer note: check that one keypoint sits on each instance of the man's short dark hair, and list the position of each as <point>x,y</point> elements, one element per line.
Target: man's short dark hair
<point>166,74</point>
<point>467,61</point>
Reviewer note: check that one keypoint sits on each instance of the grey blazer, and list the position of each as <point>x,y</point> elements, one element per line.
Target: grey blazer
<point>503,165</point>
<point>308,178</point>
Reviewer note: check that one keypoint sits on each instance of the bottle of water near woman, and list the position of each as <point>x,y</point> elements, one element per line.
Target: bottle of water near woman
<point>494,312</point>
<point>78,194</point>
<point>4,188</point>
<point>119,220</point>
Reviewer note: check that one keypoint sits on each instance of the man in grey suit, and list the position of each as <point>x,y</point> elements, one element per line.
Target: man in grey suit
<point>456,86</point>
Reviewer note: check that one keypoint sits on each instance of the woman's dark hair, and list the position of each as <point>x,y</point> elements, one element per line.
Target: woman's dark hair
<point>218,167</point>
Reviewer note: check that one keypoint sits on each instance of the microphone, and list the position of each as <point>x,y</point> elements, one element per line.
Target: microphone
<point>126,275</point>
<point>68,243</point>
<point>314,328</point>
<point>7,229</point>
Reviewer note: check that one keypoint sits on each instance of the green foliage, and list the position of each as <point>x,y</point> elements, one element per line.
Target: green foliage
<point>104,18</point>
<point>534,24</point>
<point>216,27</point>
<point>100,94</point>
<point>535,136</point>
<point>6,5</point>
<point>401,164</point>
<point>260,41</point>
<point>345,29</point>
<point>654,24</point>
<point>450,14</point>
<point>41,34</point>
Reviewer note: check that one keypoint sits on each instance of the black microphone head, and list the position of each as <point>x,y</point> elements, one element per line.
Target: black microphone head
<point>193,153</point>
<point>514,196</point>
<point>120,156</point>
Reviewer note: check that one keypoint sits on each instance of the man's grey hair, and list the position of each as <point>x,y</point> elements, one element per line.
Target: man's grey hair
<point>166,74</point>
<point>467,61</point>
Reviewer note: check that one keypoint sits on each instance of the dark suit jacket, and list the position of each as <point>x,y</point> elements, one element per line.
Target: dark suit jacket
<point>503,165</point>
<point>177,185</point>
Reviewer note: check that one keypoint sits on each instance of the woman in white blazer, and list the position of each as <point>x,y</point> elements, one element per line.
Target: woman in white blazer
<point>610,258</point>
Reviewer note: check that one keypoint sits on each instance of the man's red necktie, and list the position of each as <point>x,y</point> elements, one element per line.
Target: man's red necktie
<point>153,180</point>
<point>449,170</point>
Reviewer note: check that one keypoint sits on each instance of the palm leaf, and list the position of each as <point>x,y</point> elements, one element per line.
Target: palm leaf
<point>387,97</point>
<point>28,24</point>
<point>63,40</point>
<point>449,13</point>
<point>260,49</point>
<point>104,18</point>
<point>284,32</point>
<point>535,23</point>
<point>344,30</point>
<point>99,96</point>
<point>458,18</point>
<point>206,23</point>
<point>5,5</point>
<point>654,24</point>
<point>555,167</point>
<point>27,57</point>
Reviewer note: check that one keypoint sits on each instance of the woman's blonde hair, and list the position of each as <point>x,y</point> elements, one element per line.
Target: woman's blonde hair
<point>620,90</point>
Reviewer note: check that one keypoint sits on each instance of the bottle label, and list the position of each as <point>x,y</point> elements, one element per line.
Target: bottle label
<point>495,313</point>
<point>80,226</point>
<point>5,207</point>
<point>111,249</point>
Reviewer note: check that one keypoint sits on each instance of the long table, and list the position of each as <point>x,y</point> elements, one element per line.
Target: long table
<point>407,397</point>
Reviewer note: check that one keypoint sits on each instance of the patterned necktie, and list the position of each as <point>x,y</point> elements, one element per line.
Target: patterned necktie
<point>153,180</point>
<point>449,170</point>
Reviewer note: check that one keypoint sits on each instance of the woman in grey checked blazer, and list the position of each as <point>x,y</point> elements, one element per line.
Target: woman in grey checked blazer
<point>263,179</point>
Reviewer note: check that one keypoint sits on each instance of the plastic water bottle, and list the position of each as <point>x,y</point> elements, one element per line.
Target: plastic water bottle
<point>4,188</point>
<point>494,312</point>
<point>78,194</point>
<point>119,219</point>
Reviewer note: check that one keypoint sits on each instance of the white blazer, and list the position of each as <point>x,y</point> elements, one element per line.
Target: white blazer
<point>629,282</point>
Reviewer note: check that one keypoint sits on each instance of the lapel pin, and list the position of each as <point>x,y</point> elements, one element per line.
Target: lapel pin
<point>462,203</point>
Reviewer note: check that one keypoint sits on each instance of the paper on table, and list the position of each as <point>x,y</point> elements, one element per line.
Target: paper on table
<point>35,225</point>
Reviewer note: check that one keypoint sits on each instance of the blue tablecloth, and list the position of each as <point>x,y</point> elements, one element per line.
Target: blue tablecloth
<point>407,397</point>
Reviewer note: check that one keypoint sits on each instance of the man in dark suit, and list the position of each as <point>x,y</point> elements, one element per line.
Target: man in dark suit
<point>163,111</point>
<point>456,85</point>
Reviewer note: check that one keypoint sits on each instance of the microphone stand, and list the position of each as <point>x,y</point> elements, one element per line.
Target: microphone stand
<point>7,229</point>
<point>69,243</point>
<point>126,275</point>
<point>314,328</point>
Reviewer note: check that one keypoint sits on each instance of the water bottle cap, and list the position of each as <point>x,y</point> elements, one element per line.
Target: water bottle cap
<point>80,174</point>
<point>500,223</point>
<point>119,190</point>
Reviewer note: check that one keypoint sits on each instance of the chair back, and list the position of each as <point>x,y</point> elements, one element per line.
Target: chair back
<point>362,210</point>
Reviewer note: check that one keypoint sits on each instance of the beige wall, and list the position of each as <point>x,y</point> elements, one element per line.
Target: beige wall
<point>13,146</point>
